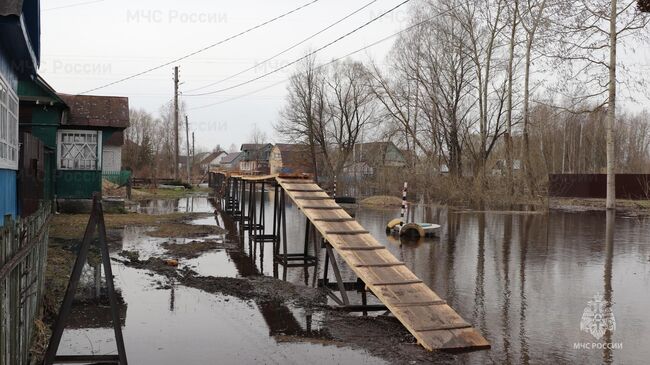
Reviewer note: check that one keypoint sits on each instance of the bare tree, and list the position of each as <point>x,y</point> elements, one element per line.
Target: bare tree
<point>351,108</point>
<point>302,120</point>
<point>591,33</point>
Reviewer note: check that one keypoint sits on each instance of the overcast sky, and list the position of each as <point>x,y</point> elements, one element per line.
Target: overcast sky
<point>90,43</point>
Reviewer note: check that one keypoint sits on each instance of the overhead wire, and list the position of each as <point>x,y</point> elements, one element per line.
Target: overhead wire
<point>305,56</point>
<point>203,49</point>
<point>287,49</point>
<point>322,65</point>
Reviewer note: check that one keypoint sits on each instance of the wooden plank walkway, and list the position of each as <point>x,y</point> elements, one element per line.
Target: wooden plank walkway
<point>427,316</point>
<point>433,323</point>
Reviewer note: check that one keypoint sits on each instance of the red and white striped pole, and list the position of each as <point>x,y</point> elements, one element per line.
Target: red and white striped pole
<point>403,202</point>
<point>334,194</point>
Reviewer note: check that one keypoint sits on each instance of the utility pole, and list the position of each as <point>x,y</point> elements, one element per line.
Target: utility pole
<point>187,146</point>
<point>176,176</point>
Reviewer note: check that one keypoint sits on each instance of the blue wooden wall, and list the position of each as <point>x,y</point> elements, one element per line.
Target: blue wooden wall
<point>8,203</point>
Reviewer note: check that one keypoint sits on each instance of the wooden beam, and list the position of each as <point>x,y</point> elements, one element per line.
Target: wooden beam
<point>380,264</point>
<point>361,248</point>
<point>402,282</point>
<point>350,232</point>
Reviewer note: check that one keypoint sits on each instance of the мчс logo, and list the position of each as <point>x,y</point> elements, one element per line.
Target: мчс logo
<point>597,318</point>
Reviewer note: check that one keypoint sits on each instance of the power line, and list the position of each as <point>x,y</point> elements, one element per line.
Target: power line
<point>204,48</point>
<point>286,50</point>
<point>322,65</point>
<point>307,55</point>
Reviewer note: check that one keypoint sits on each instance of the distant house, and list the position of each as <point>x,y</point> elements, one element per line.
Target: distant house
<point>290,159</point>
<point>256,158</point>
<point>19,60</point>
<point>230,162</point>
<point>369,158</point>
<point>379,154</point>
<point>212,160</point>
<point>81,141</point>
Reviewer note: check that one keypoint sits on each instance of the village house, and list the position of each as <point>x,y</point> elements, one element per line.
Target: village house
<point>230,162</point>
<point>212,160</point>
<point>290,159</point>
<point>368,159</point>
<point>19,60</point>
<point>80,141</point>
<point>256,158</point>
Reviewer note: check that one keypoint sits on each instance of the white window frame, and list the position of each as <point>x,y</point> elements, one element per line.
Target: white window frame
<point>9,145</point>
<point>80,167</point>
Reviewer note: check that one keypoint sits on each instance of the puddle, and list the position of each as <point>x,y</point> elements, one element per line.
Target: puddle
<point>213,263</point>
<point>188,326</point>
<point>190,204</point>
<point>523,280</point>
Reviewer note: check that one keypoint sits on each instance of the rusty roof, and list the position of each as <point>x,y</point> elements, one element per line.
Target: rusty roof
<point>97,111</point>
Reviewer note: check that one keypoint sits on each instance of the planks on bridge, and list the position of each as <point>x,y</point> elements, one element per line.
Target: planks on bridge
<point>433,323</point>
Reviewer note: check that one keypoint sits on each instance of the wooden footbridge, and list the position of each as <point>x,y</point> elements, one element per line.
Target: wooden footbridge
<point>427,316</point>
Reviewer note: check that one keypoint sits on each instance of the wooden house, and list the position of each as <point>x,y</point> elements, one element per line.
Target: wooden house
<point>290,159</point>
<point>82,136</point>
<point>19,60</point>
<point>212,160</point>
<point>230,162</point>
<point>80,140</point>
<point>368,159</point>
<point>256,158</point>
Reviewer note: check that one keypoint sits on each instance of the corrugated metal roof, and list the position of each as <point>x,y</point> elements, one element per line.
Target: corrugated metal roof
<point>97,111</point>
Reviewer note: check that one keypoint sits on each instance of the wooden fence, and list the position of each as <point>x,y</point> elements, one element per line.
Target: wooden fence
<point>628,186</point>
<point>23,252</point>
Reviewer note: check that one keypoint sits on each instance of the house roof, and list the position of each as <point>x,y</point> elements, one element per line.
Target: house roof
<point>211,156</point>
<point>254,151</point>
<point>11,7</point>
<point>231,157</point>
<point>252,146</point>
<point>372,151</point>
<point>97,111</point>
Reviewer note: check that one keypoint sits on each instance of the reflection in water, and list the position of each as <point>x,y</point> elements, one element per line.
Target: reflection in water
<point>523,279</point>
<point>505,263</point>
<point>608,355</point>
<point>523,251</point>
<point>479,289</point>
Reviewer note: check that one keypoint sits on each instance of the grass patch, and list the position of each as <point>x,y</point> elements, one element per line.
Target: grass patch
<point>382,201</point>
<point>72,226</point>
<point>145,194</point>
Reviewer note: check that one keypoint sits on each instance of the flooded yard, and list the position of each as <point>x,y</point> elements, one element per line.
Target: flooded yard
<point>523,280</point>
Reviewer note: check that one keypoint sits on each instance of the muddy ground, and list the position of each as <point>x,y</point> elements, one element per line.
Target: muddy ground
<point>382,336</point>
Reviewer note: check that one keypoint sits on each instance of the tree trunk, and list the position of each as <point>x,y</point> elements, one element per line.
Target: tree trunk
<point>509,168</point>
<point>611,110</point>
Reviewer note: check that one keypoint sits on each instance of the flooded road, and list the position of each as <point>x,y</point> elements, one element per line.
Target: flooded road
<point>524,280</point>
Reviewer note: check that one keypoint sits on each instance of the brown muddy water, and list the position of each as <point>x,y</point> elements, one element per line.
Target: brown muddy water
<point>524,280</point>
